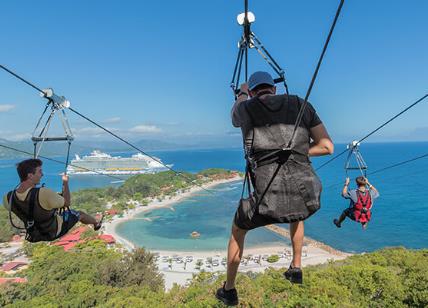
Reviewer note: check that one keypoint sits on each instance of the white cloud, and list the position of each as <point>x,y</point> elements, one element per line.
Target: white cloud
<point>234,133</point>
<point>18,136</point>
<point>199,134</point>
<point>143,129</point>
<point>90,132</point>
<point>6,108</point>
<point>87,130</point>
<point>112,120</point>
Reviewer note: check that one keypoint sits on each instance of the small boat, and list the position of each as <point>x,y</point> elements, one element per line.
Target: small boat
<point>195,234</point>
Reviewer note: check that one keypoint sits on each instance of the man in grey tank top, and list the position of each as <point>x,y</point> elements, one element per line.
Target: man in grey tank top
<point>267,122</point>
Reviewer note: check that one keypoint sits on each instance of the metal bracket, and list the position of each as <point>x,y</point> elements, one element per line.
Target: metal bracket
<point>354,151</point>
<point>248,41</point>
<point>57,106</point>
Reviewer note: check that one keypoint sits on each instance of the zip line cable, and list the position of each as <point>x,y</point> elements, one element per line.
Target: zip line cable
<point>389,167</point>
<point>58,161</point>
<point>121,139</point>
<point>22,79</point>
<point>393,118</point>
<point>110,132</point>
<point>398,164</point>
<point>314,76</point>
<point>299,117</point>
<point>375,130</point>
<point>138,149</point>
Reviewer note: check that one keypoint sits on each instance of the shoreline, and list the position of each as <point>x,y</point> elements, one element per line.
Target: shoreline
<point>178,267</point>
<point>110,226</point>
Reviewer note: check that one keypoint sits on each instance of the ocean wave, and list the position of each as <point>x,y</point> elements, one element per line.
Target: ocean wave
<point>6,166</point>
<point>230,188</point>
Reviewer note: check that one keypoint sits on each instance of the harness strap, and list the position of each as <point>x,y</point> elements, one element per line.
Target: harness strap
<point>10,197</point>
<point>30,220</point>
<point>360,198</point>
<point>246,182</point>
<point>364,211</point>
<point>280,157</point>
<point>67,161</point>
<point>30,224</point>
<point>269,184</point>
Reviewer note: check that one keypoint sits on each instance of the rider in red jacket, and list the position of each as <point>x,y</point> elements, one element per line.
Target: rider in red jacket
<point>361,202</point>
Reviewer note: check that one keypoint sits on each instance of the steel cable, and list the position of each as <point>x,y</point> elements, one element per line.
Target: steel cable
<point>111,133</point>
<point>389,167</point>
<point>375,130</point>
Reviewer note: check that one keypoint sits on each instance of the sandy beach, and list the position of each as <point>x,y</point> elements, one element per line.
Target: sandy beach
<point>179,266</point>
<point>110,226</point>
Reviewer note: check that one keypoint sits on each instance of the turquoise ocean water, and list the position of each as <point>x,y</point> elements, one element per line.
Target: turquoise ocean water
<point>400,215</point>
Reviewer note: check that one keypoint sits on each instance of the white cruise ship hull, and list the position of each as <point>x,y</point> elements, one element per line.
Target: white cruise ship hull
<point>98,162</point>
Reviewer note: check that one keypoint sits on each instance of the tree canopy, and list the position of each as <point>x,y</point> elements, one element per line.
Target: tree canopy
<point>95,276</point>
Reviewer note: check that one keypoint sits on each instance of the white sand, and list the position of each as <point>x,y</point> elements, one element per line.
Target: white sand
<point>175,270</point>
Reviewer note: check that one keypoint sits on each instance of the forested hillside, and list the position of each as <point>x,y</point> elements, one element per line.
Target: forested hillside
<point>92,275</point>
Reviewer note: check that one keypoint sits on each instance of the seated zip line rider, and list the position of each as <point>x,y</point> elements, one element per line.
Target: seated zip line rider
<point>45,213</point>
<point>286,188</point>
<point>361,202</point>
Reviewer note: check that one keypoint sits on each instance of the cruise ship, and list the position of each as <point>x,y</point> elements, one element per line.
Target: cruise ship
<point>99,162</point>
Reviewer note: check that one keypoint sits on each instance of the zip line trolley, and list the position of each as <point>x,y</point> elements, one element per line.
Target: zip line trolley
<point>248,41</point>
<point>56,105</point>
<point>355,160</point>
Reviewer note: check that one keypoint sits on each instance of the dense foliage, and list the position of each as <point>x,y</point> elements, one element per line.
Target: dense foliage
<point>93,275</point>
<point>6,230</point>
<point>142,187</point>
<point>86,276</point>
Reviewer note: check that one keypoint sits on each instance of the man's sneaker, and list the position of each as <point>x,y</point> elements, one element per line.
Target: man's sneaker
<point>294,274</point>
<point>99,224</point>
<point>229,297</point>
<point>336,222</point>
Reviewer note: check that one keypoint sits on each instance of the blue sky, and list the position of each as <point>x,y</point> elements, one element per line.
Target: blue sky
<point>161,69</point>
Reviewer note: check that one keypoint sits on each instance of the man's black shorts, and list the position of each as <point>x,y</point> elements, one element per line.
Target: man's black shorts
<point>350,213</point>
<point>247,217</point>
<point>69,219</point>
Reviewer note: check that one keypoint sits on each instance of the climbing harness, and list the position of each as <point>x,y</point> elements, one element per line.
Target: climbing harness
<point>362,208</point>
<point>56,105</point>
<point>355,160</point>
<point>10,197</point>
<point>248,41</point>
<point>35,230</point>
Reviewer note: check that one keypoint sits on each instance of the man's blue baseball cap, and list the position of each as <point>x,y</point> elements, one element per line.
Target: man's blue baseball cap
<point>259,78</point>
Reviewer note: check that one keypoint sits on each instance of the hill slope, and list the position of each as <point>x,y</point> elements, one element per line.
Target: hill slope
<point>94,276</point>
